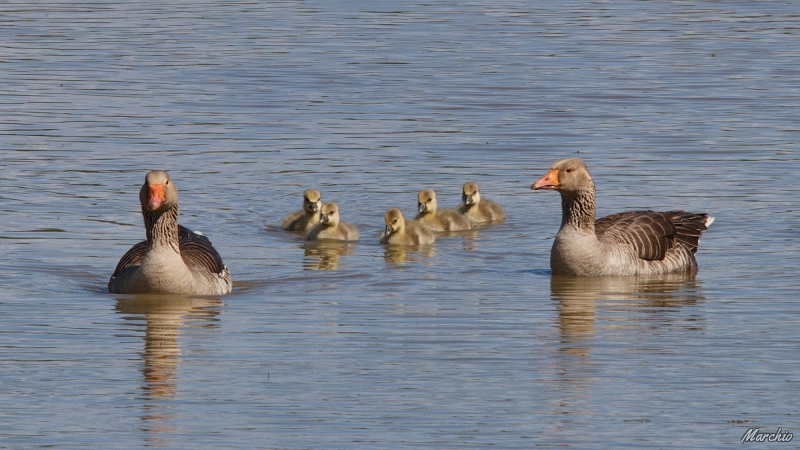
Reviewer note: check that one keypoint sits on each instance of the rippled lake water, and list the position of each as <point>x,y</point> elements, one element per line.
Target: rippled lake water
<point>469,344</point>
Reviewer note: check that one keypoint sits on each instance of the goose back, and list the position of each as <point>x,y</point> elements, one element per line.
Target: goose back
<point>652,234</point>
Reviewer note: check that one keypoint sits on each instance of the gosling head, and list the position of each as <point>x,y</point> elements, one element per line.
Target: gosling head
<point>470,194</point>
<point>158,192</point>
<point>394,221</point>
<point>426,201</point>
<point>568,177</point>
<point>312,200</point>
<point>329,214</point>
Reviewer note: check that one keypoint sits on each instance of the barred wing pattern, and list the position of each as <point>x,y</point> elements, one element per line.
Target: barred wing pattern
<point>196,251</point>
<point>652,234</point>
<point>133,257</point>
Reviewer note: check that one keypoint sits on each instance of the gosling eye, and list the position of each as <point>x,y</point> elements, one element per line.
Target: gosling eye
<point>394,221</point>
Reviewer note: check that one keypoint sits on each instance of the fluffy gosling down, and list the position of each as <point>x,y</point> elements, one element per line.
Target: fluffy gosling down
<point>439,219</point>
<point>479,210</point>
<point>306,218</point>
<point>400,231</point>
<point>329,226</point>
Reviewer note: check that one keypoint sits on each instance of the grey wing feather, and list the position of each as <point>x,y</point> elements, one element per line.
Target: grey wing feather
<point>132,257</point>
<point>604,223</point>
<point>198,253</point>
<point>184,232</point>
<point>689,227</point>
<point>650,233</point>
<point>196,250</point>
<point>653,234</point>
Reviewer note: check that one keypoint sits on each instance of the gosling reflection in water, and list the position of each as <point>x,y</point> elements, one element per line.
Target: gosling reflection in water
<point>325,255</point>
<point>469,240</point>
<point>577,297</point>
<point>400,254</point>
<point>164,316</point>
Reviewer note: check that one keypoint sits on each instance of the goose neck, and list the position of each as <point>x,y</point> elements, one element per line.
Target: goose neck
<point>578,210</point>
<point>162,228</point>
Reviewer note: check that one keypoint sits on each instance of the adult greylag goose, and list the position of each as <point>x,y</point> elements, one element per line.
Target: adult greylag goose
<point>173,259</point>
<point>330,227</point>
<point>400,231</point>
<point>629,243</point>
<point>306,218</point>
<point>479,210</point>
<point>439,219</point>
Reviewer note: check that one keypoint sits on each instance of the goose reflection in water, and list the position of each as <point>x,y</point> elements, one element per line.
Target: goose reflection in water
<point>164,316</point>
<point>325,255</point>
<point>578,298</point>
<point>617,299</point>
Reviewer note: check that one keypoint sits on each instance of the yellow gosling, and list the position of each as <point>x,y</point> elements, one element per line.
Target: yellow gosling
<point>307,217</point>
<point>400,231</point>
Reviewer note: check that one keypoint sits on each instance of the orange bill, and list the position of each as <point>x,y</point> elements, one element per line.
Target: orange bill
<point>156,198</point>
<point>549,181</point>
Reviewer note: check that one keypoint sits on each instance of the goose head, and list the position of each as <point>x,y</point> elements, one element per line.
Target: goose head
<point>470,194</point>
<point>568,177</point>
<point>394,221</point>
<point>312,200</point>
<point>329,214</point>
<point>158,193</point>
<point>426,201</point>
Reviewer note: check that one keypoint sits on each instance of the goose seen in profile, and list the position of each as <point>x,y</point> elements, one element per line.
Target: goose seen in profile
<point>628,243</point>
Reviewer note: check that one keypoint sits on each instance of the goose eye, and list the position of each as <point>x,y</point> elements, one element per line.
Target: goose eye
<point>167,183</point>
<point>568,170</point>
